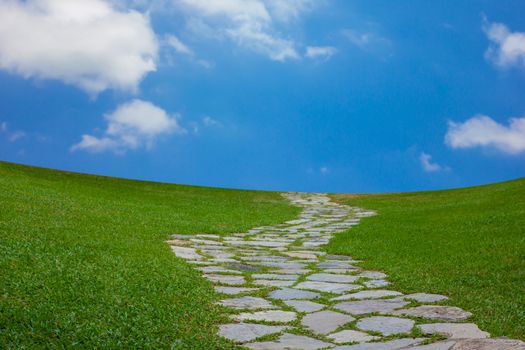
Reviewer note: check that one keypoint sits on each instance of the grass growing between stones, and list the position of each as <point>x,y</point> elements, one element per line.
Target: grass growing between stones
<point>467,243</point>
<point>83,263</point>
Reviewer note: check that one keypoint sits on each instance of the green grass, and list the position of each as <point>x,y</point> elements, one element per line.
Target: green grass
<point>83,263</point>
<point>466,243</point>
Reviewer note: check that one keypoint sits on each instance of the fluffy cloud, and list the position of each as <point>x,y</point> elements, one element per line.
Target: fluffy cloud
<point>507,48</point>
<point>133,125</point>
<point>250,23</point>
<point>320,52</point>
<point>86,43</point>
<point>483,131</point>
<point>427,164</point>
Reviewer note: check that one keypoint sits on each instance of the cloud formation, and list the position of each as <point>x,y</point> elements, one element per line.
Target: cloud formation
<point>12,136</point>
<point>507,49</point>
<point>131,126</point>
<point>483,131</point>
<point>249,23</point>
<point>85,43</point>
<point>324,52</point>
<point>427,164</point>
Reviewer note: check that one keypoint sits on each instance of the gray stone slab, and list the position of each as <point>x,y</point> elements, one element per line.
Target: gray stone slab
<point>362,307</point>
<point>324,322</point>
<point>291,294</point>
<point>376,283</point>
<point>233,290</point>
<point>226,279</point>
<point>327,277</point>
<point>334,265</point>
<point>268,316</point>
<point>186,253</point>
<point>290,342</point>
<point>351,336</point>
<point>304,305</point>
<point>244,267</point>
<point>386,325</point>
<point>243,332</point>
<point>247,302</point>
<point>217,269</point>
<point>442,345</point>
<point>489,344</point>
<point>376,275</point>
<point>397,344</point>
<point>454,330</point>
<point>426,298</point>
<point>368,294</point>
<point>337,288</point>
<point>339,271</point>
<point>273,283</point>
<point>435,312</point>
<point>271,276</point>
<point>292,271</point>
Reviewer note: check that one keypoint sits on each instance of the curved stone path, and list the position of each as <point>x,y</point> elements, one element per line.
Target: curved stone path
<point>283,292</point>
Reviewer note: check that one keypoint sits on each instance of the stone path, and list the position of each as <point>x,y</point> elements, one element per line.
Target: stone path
<point>284,292</point>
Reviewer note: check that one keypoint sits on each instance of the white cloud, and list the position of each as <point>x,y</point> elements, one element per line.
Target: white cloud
<point>507,48</point>
<point>178,45</point>
<point>483,131</point>
<point>209,121</point>
<point>320,52</point>
<point>12,136</point>
<point>131,126</point>
<point>249,23</point>
<point>427,164</point>
<point>86,43</point>
<point>368,41</point>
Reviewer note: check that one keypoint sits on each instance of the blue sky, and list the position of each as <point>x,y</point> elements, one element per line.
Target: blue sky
<point>302,95</point>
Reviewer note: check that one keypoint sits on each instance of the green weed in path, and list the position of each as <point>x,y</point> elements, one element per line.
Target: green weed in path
<point>466,243</point>
<point>83,263</point>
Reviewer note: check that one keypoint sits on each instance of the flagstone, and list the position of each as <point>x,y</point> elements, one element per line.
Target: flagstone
<point>290,294</point>
<point>454,330</point>
<point>327,277</point>
<point>351,336</point>
<point>376,283</point>
<point>386,325</point>
<point>226,279</point>
<point>186,253</point>
<point>337,288</point>
<point>304,305</point>
<point>290,341</point>
<point>247,302</point>
<point>397,344</point>
<point>273,283</point>
<point>489,344</point>
<point>426,298</point>
<point>268,316</point>
<point>368,294</point>
<point>435,312</point>
<point>324,322</point>
<point>244,267</point>
<point>270,276</point>
<point>243,332</point>
<point>362,307</point>
<point>233,290</point>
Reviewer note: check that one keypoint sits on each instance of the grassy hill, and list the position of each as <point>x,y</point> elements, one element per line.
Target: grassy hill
<point>466,243</point>
<point>83,263</point>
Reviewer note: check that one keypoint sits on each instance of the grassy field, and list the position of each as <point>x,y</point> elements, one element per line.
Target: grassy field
<point>466,243</point>
<point>83,263</point>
